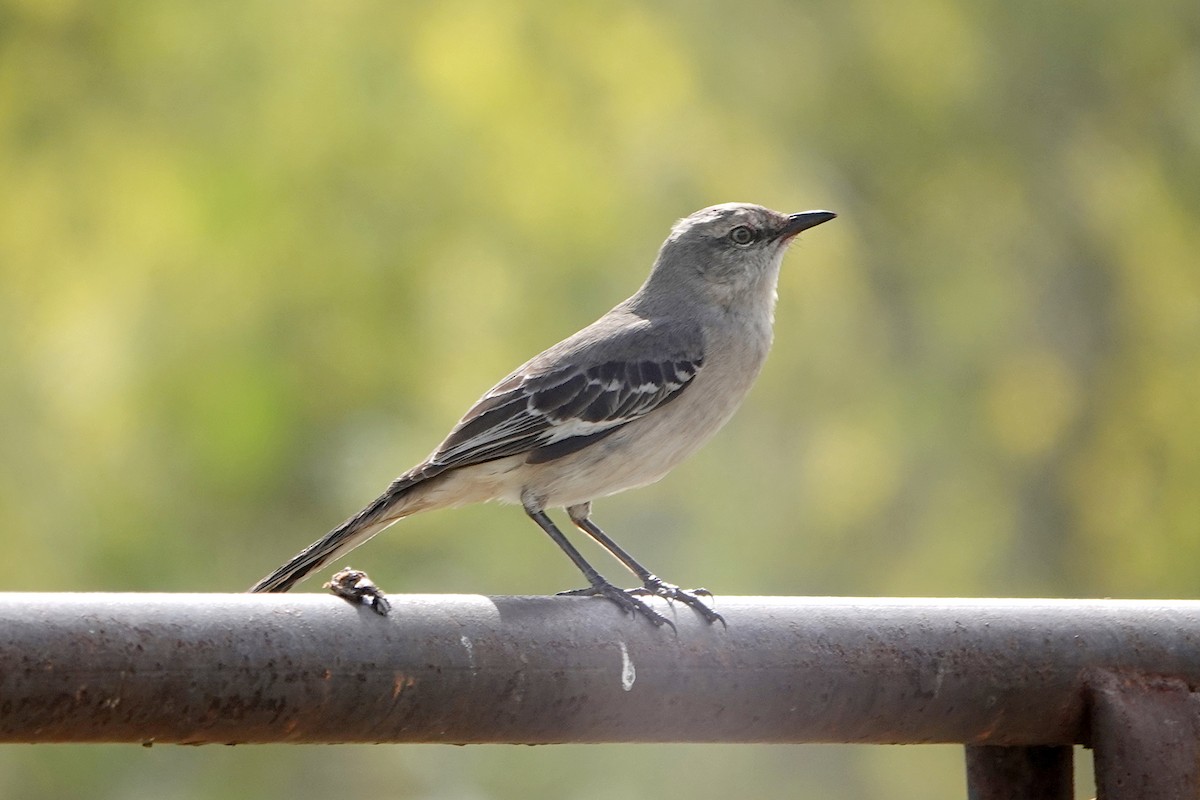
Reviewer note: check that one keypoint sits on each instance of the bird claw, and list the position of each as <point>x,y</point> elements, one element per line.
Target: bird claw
<point>656,587</point>
<point>624,599</point>
<point>356,586</point>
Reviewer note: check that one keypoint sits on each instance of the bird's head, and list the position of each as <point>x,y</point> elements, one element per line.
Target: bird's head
<point>732,250</point>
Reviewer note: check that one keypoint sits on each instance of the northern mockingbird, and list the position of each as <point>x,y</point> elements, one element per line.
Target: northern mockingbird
<point>615,406</point>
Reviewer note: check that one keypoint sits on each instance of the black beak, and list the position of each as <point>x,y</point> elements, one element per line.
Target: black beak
<point>803,221</point>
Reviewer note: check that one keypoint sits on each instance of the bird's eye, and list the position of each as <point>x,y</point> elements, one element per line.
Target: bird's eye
<point>741,235</point>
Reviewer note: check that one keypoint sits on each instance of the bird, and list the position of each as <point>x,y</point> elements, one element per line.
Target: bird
<point>612,407</point>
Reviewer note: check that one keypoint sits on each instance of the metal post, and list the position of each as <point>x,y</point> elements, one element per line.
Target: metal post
<point>1019,773</point>
<point>1145,730</point>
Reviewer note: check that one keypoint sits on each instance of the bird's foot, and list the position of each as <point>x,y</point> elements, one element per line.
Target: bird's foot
<point>624,600</point>
<point>356,586</point>
<point>656,587</point>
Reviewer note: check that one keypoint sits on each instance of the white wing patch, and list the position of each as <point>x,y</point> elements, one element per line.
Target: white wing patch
<point>562,410</point>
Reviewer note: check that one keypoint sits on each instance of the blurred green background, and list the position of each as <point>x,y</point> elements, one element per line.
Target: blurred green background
<point>256,258</point>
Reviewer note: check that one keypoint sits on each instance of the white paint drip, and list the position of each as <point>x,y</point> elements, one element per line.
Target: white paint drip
<point>470,650</point>
<point>628,673</point>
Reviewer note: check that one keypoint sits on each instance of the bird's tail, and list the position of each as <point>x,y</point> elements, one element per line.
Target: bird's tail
<point>382,512</point>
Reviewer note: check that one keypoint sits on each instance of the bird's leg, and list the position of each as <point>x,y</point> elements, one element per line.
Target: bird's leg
<point>599,587</point>
<point>651,583</point>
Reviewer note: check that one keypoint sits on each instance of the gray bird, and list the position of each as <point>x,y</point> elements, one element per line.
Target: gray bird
<point>615,406</point>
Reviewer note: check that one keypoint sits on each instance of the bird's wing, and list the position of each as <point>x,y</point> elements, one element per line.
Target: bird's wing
<point>552,409</point>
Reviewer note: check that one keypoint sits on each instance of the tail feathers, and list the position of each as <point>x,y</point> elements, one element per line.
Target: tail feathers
<point>350,534</point>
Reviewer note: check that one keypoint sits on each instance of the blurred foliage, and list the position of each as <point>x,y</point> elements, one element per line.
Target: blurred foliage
<point>256,258</point>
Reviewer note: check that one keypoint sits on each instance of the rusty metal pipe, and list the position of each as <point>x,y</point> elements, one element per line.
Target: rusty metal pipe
<point>1146,734</point>
<point>1019,773</point>
<point>465,668</point>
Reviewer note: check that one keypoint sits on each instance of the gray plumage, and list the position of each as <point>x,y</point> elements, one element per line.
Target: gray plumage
<point>613,407</point>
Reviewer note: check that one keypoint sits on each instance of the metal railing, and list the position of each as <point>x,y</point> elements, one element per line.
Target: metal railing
<point>1019,682</point>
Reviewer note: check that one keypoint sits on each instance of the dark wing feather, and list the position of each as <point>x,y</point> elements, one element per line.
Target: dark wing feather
<point>558,411</point>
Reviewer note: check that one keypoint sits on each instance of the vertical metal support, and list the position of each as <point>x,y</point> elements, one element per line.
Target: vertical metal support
<point>1019,773</point>
<point>1145,731</point>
